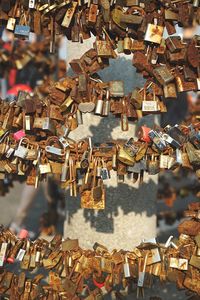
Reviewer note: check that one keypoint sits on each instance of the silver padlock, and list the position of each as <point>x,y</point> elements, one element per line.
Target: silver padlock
<point>99,105</point>
<point>9,152</point>
<point>54,150</point>
<point>21,151</point>
<point>31,4</point>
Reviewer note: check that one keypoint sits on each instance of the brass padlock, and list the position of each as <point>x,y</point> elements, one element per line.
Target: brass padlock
<point>170,90</point>
<point>11,24</point>
<point>154,33</point>
<point>104,49</point>
<point>163,75</point>
<point>127,45</point>
<point>44,167</point>
<point>150,105</point>
<point>124,157</point>
<point>69,14</point>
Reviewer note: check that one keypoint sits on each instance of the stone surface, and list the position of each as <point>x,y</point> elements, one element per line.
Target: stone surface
<point>130,210</point>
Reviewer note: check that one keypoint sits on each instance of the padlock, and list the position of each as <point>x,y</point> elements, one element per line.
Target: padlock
<point>189,74</point>
<point>153,165</point>
<point>175,133</point>
<point>130,147</point>
<point>4,144</point>
<point>11,24</point>
<point>104,171</point>
<point>126,267</point>
<point>22,31</point>
<point>48,125</point>
<point>154,33</point>
<point>170,90</point>
<point>69,15</point>
<point>143,134</point>
<point>75,30</point>
<point>55,113</point>
<point>63,131</point>
<point>105,7</point>
<point>106,106</point>
<point>51,149</point>
<point>177,58</point>
<point>93,11</point>
<point>163,75</point>
<point>65,167</point>
<point>85,160</point>
<point>171,15</point>
<point>67,103</point>
<point>174,44</point>
<point>31,4</point>
<point>116,88</point>
<point>44,167</point>
<point>3,250</point>
<point>27,123</point>
<point>127,45</point>
<point>164,160</point>
<point>136,98</point>
<point>168,139</point>
<point>196,3</point>
<point>2,131</point>
<point>156,138</point>
<point>82,84</point>
<point>141,277</point>
<point>104,49</point>
<point>124,157</point>
<point>120,46</point>
<point>54,150</point>
<point>21,151</point>
<point>124,122</point>
<point>154,56</point>
<point>150,105</point>
<point>19,135</point>
<point>99,104</point>
<point>136,168</point>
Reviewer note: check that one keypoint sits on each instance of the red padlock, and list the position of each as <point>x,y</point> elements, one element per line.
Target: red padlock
<point>23,234</point>
<point>143,134</point>
<point>99,281</point>
<point>97,284</point>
